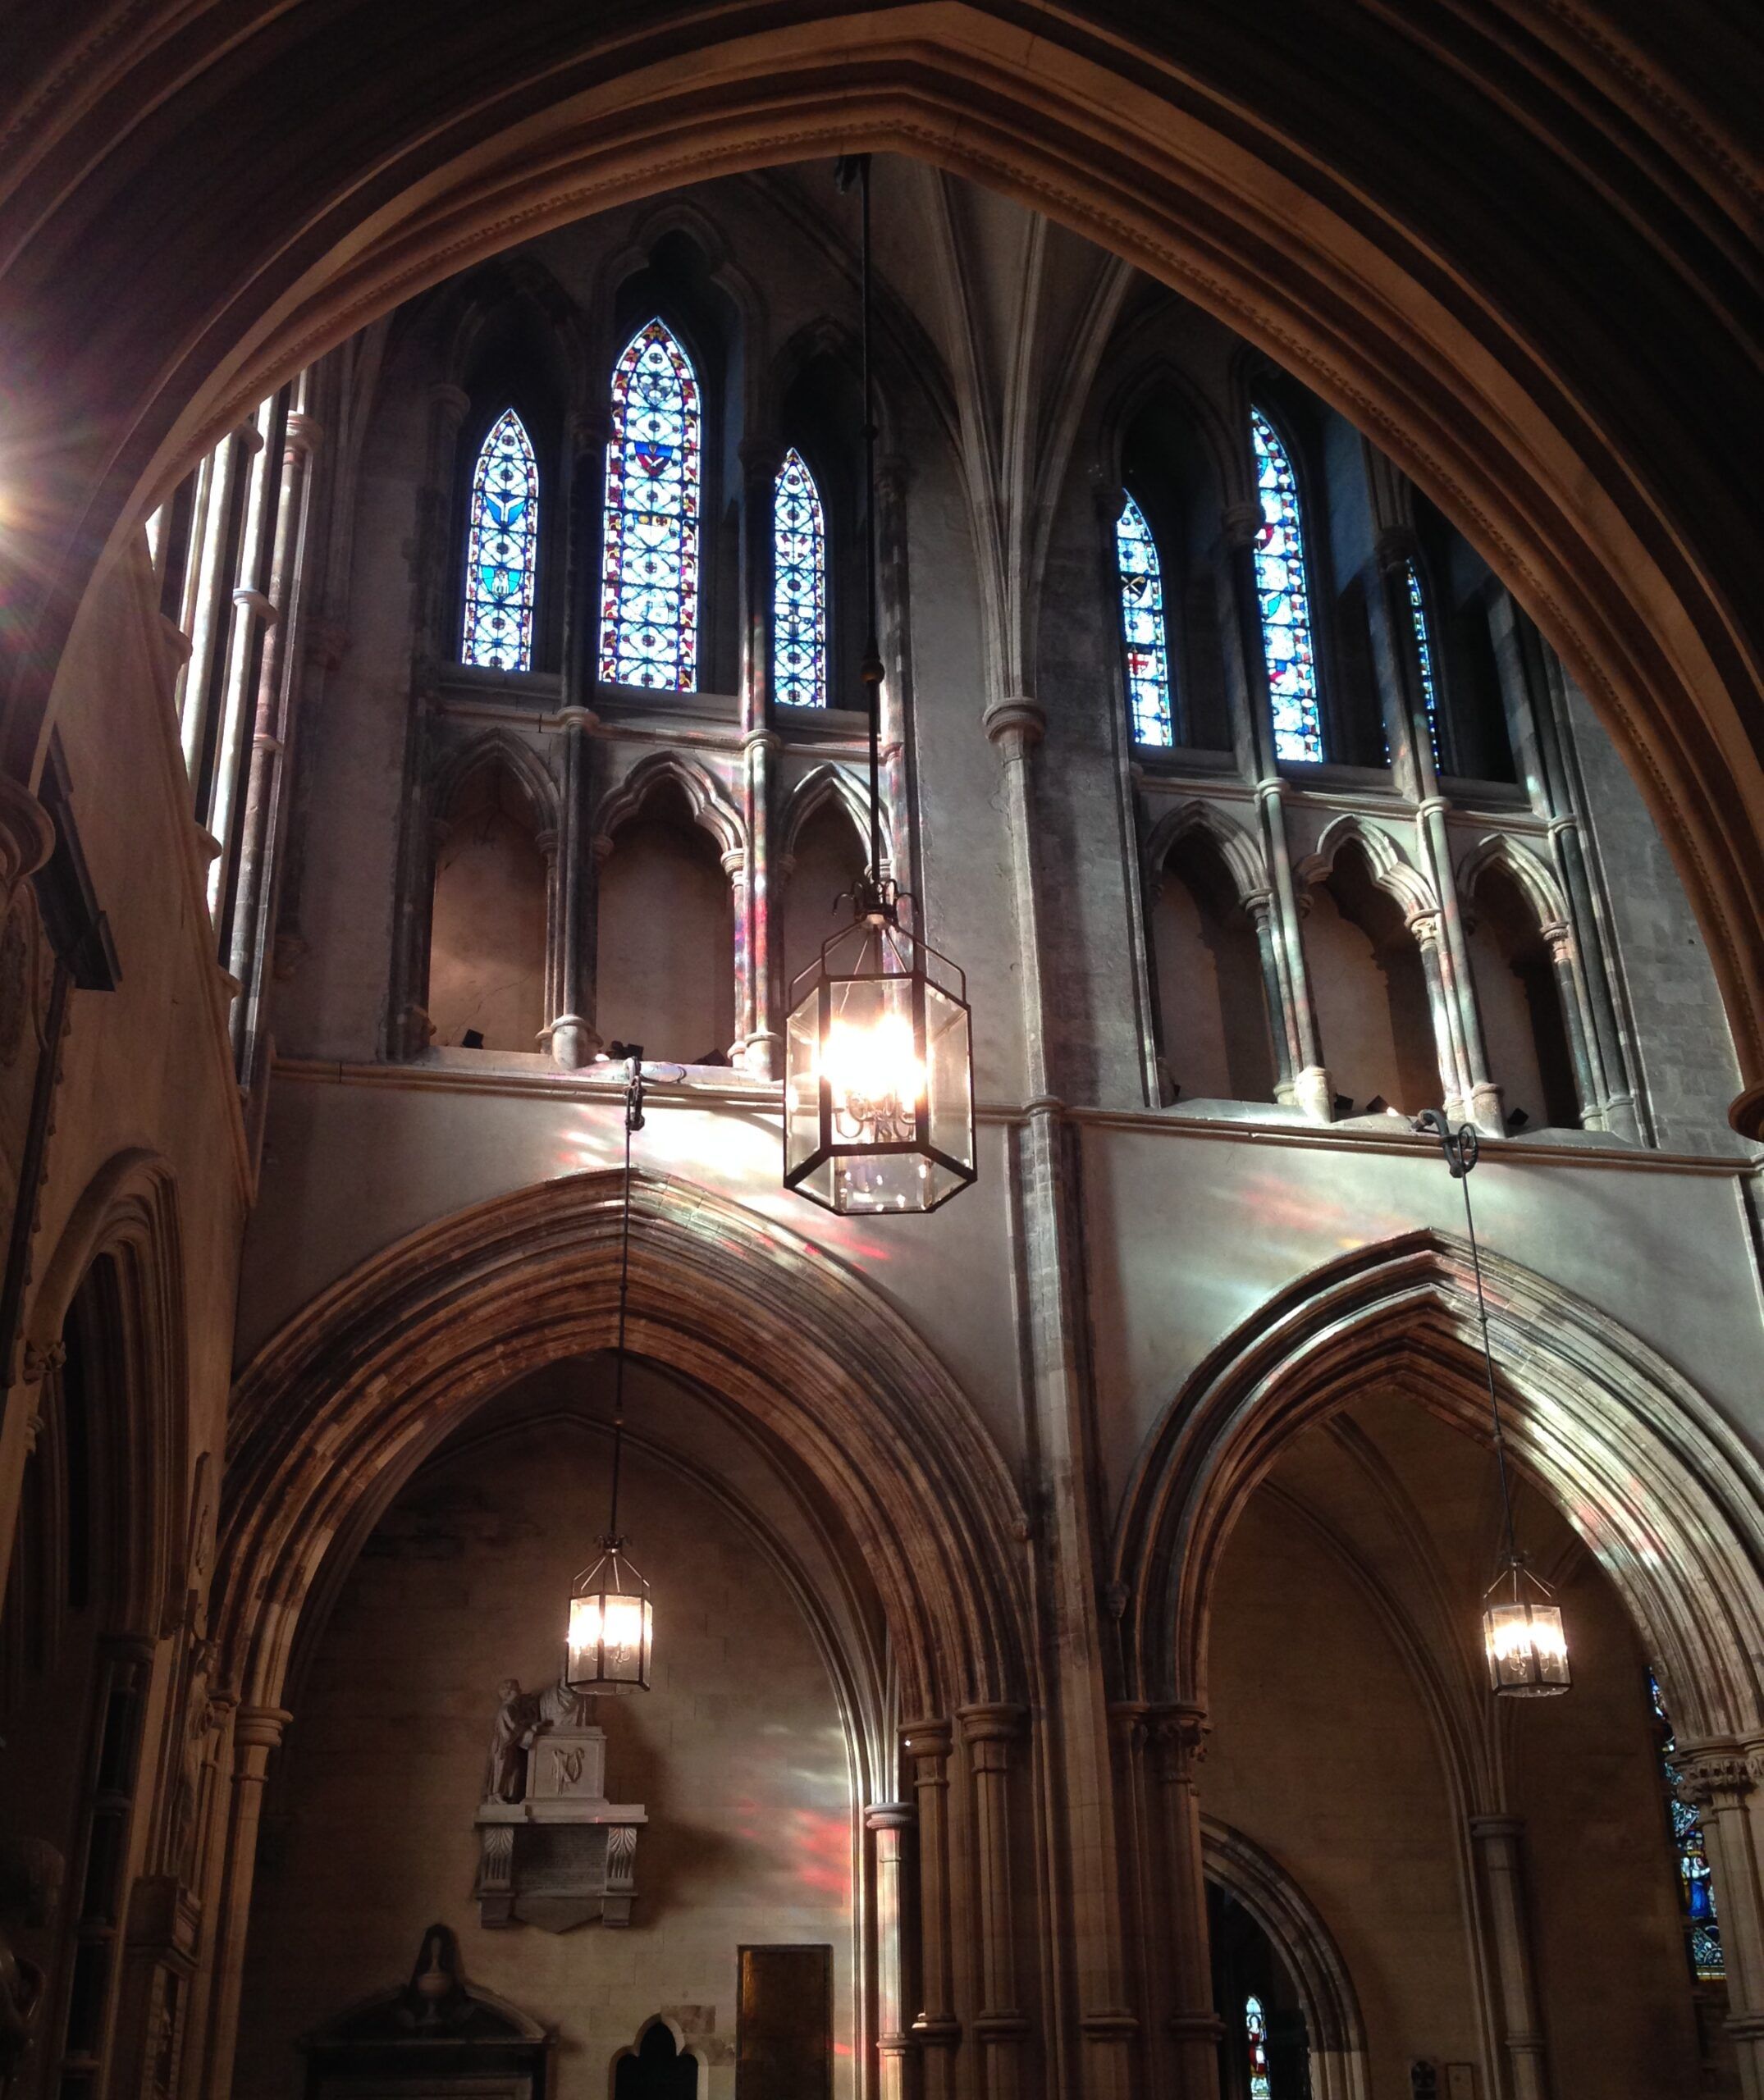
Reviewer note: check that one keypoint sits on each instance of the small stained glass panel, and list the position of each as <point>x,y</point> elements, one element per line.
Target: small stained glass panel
<point>1696,1887</point>
<point>1423,645</point>
<point>501,548</point>
<point>1255,2034</point>
<point>799,588</point>
<point>1285,600</point>
<point>1143,632</point>
<point>649,580</point>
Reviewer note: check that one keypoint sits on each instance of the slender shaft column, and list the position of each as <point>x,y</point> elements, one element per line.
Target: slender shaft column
<point>257,1731</point>
<point>1144,1911</point>
<point>1309,1086</point>
<point>1570,997</point>
<point>212,612</point>
<point>1178,1740</point>
<point>1425,927</point>
<point>900,844</point>
<point>1260,908</point>
<point>573,1039</point>
<point>936,2029</point>
<point>1015,726</point>
<point>735,867</point>
<point>756,1047</point>
<point>1497,1841</point>
<point>586,530</point>
<point>253,923</point>
<point>988,1731</point>
<point>1720,1781</point>
<point>889,1821</point>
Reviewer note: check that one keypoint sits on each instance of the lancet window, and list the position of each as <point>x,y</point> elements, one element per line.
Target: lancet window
<point>1703,1932</point>
<point>649,583</point>
<point>502,549</point>
<point>1143,632</point>
<point>1284,599</point>
<point>799,586</point>
<point>1423,645</point>
<point>1255,2038</point>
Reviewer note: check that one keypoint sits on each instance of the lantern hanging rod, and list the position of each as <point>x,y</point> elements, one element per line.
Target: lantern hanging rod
<point>1463,1149</point>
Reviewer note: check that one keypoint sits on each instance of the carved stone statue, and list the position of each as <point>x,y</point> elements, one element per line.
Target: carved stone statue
<point>521,1717</point>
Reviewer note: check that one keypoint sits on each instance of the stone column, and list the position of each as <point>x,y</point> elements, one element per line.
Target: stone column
<point>988,1731</point>
<point>253,924</point>
<point>572,1036</point>
<point>936,2029</point>
<point>1570,995</point>
<point>1424,927</point>
<point>257,1731</point>
<point>1497,1841</point>
<point>1720,1781</point>
<point>1178,1740</point>
<point>901,841</point>
<point>1145,1913</point>
<point>215,564</point>
<point>585,531</point>
<point>1309,1087</point>
<point>1260,907</point>
<point>735,863</point>
<point>1015,725</point>
<point>890,1821</point>
<point>756,1045</point>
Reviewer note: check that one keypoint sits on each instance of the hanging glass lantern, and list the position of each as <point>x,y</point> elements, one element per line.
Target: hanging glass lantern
<point>879,1090</point>
<point>1523,1635</point>
<point>610,1626</point>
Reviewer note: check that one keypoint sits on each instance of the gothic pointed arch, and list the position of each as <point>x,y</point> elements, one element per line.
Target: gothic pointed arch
<point>650,549</point>
<point>709,801</point>
<point>823,786</point>
<point>374,1373</point>
<point>1335,2027</point>
<point>1534,880</point>
<point>1391,869</point>
<point>502,549</point>
<point>1237,852</point>
<point>1643,1468</point>
<point>499,751</point>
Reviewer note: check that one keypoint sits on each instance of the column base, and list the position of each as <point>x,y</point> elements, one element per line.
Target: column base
<point>1313,1094</point>
<point>571,1042</point>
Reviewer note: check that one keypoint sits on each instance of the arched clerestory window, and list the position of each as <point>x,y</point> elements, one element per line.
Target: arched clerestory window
<point>1284,597</point>
<point>649,579</point>
<point>799,586</point>
<point>1423,647</point>
<point>1143,633</point>
<point>502,549</point>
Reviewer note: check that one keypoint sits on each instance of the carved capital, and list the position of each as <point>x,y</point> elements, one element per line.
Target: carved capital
<point>989,1731</point>
<point>1178,1739</point>
<point>1016,721</point>
<point>1241,522</point>
<point>1704,1775</point>
<point>305,433</point>
<point>259,1728</point>
<point>1394,548</point>
<point>890,1815</point>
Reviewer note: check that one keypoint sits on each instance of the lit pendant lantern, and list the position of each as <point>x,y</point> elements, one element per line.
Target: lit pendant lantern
<point>1523,1636</point>
<point>879,1083</point>
<point>611,1629</point>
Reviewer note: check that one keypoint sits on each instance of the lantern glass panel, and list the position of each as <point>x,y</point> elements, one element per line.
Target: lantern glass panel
<point>612,1635</point>
<point>1527,1649</point>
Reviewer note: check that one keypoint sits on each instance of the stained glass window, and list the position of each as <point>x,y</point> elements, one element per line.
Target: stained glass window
<point>649,583</point>
<point>1696,1890</point>
<point>1423,645</point>
<point>799,588</point>
<point>1142,627</point>
<point>1256,2032</point>
<point>1285,600</point>
<point>501,551</point>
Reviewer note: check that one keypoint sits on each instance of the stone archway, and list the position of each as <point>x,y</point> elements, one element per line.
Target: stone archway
<point>371,1377</point>
<point>1644,1470</point>
<point>1254,176</point>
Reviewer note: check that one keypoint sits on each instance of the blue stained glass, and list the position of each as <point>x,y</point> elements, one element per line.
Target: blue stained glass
<point>1142,628</point>
<point>649,580</point>
<point>501,547</point>
<point>1423,644</point>
<point>1255,2031</point>
<point>1285,600</point>
<point>1696,1887</point>
<point>799,588</point>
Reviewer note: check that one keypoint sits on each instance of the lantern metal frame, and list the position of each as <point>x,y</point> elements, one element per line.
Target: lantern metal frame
<point>937,1127</point>
<point>1540,1670</point>
<point>614,1562</point>
<point>887,952</point>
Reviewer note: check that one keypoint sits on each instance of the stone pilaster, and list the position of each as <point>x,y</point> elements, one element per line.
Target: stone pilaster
<point>1178,1736</point>
<point>1498,1843</point>
<point>257,1732</point>
<point>1721,1781</point>
<point>1015,725</point>
<point>572,1035</point>
<point>936,2029</point>
<point>988,1732</point>
<point>758,1030</point>
<point>889,1823</point>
